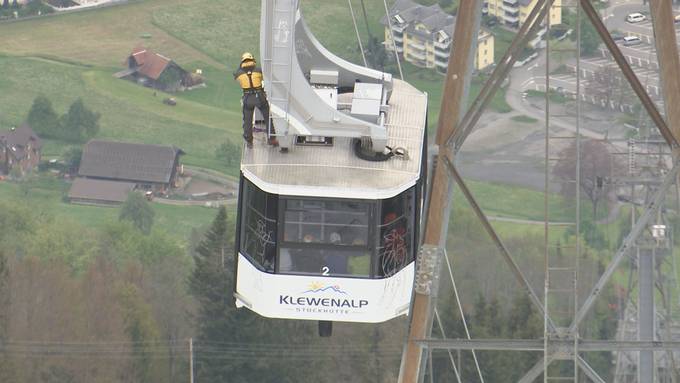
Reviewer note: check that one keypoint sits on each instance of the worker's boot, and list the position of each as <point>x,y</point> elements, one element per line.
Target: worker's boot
<point>273,142</point>
<point>249,144</point>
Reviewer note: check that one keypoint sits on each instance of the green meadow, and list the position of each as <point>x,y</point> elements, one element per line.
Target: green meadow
<point>76,54</point>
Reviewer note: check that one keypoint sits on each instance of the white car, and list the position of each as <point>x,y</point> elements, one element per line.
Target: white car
<point>631,40</point>
<point>635,17</point>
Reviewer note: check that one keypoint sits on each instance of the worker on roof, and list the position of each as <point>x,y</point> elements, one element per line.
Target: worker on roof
<point>249,76</point>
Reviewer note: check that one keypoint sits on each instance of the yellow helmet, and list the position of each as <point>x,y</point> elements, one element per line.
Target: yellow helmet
<point>247,56</point>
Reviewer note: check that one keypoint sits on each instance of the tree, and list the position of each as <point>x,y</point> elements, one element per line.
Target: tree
<point>141,329</point>
<point>79,123</point>
<point>15,4</point>
<point>6,367</point>
<point>137,210</point>
<point>229,152</point>
<point>72,158</point>
<point>219,322</point>
<point>590,39</point>
<point>376,54</point>
<point>4,294</point>
<point>5,4</point>
<point>596,168</point>
<point>210,284</point>
<point>605,84</point>
<point>42,118</point>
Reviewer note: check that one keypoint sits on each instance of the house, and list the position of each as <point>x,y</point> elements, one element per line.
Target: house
<point>19,150</point>
<point>149,167</point>
<point>423,36</point>
<point>157,71</point>
<point>86,191</point>
<point>513,13</point>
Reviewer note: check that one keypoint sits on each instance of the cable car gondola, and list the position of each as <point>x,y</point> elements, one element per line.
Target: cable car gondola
<point>329,230</point>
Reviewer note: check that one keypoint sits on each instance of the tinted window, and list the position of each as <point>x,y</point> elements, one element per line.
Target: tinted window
<point>320,221</point>
<point>395,249</point>
<point>326,237</point>
<point>258,227</point>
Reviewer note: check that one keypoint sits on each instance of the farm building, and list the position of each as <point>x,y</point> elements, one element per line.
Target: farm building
<point>19,149</point>
<point>148,167</point>
<point>86,191</point>
<point>157,71</point>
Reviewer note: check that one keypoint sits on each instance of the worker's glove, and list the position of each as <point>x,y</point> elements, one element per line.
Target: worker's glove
<point>241,102</point>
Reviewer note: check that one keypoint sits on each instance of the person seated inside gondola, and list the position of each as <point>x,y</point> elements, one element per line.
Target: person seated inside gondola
<point>308,260</point>
<point>334,259</point>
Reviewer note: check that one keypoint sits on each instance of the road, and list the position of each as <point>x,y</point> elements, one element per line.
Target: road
<point>520,78</point>
<point>501,150</point>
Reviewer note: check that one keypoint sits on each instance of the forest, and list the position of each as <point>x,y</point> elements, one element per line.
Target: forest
<point>120,304</point>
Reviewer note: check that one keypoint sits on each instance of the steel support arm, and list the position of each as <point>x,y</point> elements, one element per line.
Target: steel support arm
<point>592,374</point>
<point>526,32</point>
<point>455,88</point>
<point>534,372</point>
<point>536,345</point>
<point>517,272</point>
<point>669,63</point>
<point>628,242</point>
<point>634,82</point>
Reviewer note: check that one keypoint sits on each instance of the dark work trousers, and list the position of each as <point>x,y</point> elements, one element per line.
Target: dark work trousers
<point>252,100</point>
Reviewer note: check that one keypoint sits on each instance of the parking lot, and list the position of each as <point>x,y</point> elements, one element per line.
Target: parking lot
<point>600,71</point>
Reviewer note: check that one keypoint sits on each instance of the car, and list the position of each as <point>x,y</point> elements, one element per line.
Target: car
<point>635,17</point>
<point>631,40</point>
<point>617,36</point>
<point>676,19</point>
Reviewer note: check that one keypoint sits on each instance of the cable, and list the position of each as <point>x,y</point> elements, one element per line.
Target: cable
<point>394,44</point>
<point>441,328</point>
<point>356,29</point>
<point>462,315</point>
<point>368,28</point>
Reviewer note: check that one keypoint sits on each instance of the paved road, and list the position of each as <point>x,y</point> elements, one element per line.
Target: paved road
<point>214,203</point>
<point>519,78</point>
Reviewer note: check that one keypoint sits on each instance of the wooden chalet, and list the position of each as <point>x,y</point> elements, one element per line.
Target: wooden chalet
<point>19,149</point>
<point>157,71</point>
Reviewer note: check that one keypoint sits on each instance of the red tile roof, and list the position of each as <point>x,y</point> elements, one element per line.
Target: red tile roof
<point>149,63</point>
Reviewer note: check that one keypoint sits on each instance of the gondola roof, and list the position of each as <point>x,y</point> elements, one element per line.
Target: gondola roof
<point>336,171</point>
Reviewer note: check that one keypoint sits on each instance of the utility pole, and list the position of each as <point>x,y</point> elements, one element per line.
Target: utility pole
<point>452,107</point>
<point>191,360</point>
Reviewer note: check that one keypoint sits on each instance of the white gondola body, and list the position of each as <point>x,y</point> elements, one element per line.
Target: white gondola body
<point>323,234</point>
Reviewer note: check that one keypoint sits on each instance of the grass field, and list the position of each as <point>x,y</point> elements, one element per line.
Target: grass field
<point>46,194</point>
<point>523,203</point>
<point>74,55</point>
<point>202,33</point>
<point>102,37</point>
<point>524,119</point>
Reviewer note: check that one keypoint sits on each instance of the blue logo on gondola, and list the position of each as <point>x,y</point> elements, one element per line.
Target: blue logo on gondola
<point>316,287</point>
